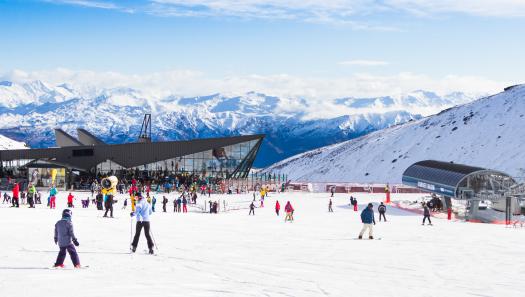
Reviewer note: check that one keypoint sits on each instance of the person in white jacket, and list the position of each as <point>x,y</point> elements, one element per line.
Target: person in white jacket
<point>142,213</point>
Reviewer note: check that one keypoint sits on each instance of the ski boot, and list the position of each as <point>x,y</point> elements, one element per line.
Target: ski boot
<point>58,266</point>
<point>360,237</point>
<point>78,266</point>
<point>370,237</point>
<point>133,249</point>
<point>150,251</point>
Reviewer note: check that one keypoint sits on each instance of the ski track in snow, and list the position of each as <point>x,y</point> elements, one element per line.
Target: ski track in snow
<point>233,254</point>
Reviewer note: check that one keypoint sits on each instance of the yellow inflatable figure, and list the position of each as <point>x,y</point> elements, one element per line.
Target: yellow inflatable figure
<point>109,185</point>
<point>53,175</point>
<point>133,200</point>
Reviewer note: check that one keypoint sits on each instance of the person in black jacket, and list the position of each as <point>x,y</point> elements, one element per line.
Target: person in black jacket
<point>330,209</point>
<point>426,214</point>
<point>382,210</point>
<point>164,202</point>
<point>100,201</point>
<point>252,209</point>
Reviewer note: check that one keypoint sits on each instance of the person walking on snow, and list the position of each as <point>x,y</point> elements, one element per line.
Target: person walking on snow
<point>330,206</point>
<point>332,190</point>
<point>426,214</point>
<point>382,210</point>
<point>164,202</point>
<point>367,218</point>
<point>31,192</point>
<point>252,209</point>
<point>70,200</point>
<point>184,204</point>
<point>52,197</point>
<point>153,202</point>
<point>354,203</point>
<point>277,207</point>
<point>142,213</point>
<point>16,192</point>
<point>66,240</point>
<point>109,205</point>
<point>289,212</point>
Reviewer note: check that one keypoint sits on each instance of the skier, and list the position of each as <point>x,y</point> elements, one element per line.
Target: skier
<point>70,200</point>
<point>381,209</point>
<point>52,197</point>
<point>109,205</point>
<point>330,206</point>
<point>289,212</point>
<point>125,203</point>
<point>367,218</point>
<point>65,238</point>
<point>277,207</point>
<point>16,192</point>
<point>262,201</point>
<point>426,214</point>
<point>164,202</point>
<point>142,212</point>
<point>252,209</point>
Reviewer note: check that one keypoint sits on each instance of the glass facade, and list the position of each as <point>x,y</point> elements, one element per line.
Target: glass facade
<point>219,162</point>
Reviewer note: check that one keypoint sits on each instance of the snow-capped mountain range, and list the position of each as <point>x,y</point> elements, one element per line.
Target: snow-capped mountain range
<point>31,110</point>
<point>488,132</point>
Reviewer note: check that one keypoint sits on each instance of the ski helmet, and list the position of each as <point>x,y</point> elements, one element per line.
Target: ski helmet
<point>67,213</point>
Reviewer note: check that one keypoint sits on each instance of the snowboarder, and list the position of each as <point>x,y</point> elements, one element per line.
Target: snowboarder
<point>252,209</point>
<point>66,240</point>
<point>367,218</point>
<point>330,206</point>
<point>142,212</point>
<point>289,212</point>
<point>277,207</point>
<point>164,202</point>
<point>382,210</point>
<point>426,214</point>
<point>109,205</point>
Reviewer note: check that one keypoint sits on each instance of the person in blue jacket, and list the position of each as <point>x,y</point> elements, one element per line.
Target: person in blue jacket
<point>367,217</point>
<point>142,213</point>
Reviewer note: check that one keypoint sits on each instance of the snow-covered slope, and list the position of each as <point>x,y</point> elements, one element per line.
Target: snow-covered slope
<point>489,132</point>
<point>31,110</point>
<point>9,144</point>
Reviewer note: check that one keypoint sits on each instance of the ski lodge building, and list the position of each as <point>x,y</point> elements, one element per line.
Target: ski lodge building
<point>88,156</point>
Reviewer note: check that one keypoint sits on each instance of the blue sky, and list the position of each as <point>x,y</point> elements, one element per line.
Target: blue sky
<point>413,44</point>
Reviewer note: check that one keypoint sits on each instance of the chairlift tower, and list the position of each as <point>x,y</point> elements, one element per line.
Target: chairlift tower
<point>145,130</point>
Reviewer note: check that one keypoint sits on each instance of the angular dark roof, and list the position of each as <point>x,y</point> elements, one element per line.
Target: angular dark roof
<point>86,138</point>
<point>63,139</point>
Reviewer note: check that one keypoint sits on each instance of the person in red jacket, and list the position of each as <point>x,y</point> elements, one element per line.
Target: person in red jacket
<point>289,212</point>
<point>16,193</point>
<point>70,198</point>
<point>277,207</point>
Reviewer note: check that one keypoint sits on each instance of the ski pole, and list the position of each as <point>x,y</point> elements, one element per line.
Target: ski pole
<point>153,237</point>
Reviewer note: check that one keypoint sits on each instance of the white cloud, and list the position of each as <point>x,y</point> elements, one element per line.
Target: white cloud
<point>364,63</point>
<point>493,8</point>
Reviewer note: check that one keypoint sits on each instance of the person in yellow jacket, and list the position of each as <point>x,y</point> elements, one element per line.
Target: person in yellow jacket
<point>133,200</point>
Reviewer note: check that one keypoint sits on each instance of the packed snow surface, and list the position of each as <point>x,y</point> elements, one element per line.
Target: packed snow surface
<point>488,133</point>
<point>10,144</point>
<point>233,254</point>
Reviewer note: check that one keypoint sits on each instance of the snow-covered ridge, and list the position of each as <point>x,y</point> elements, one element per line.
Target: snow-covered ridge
<point>488,132</point>
<point>10,144</point>
<point>31,110</point>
